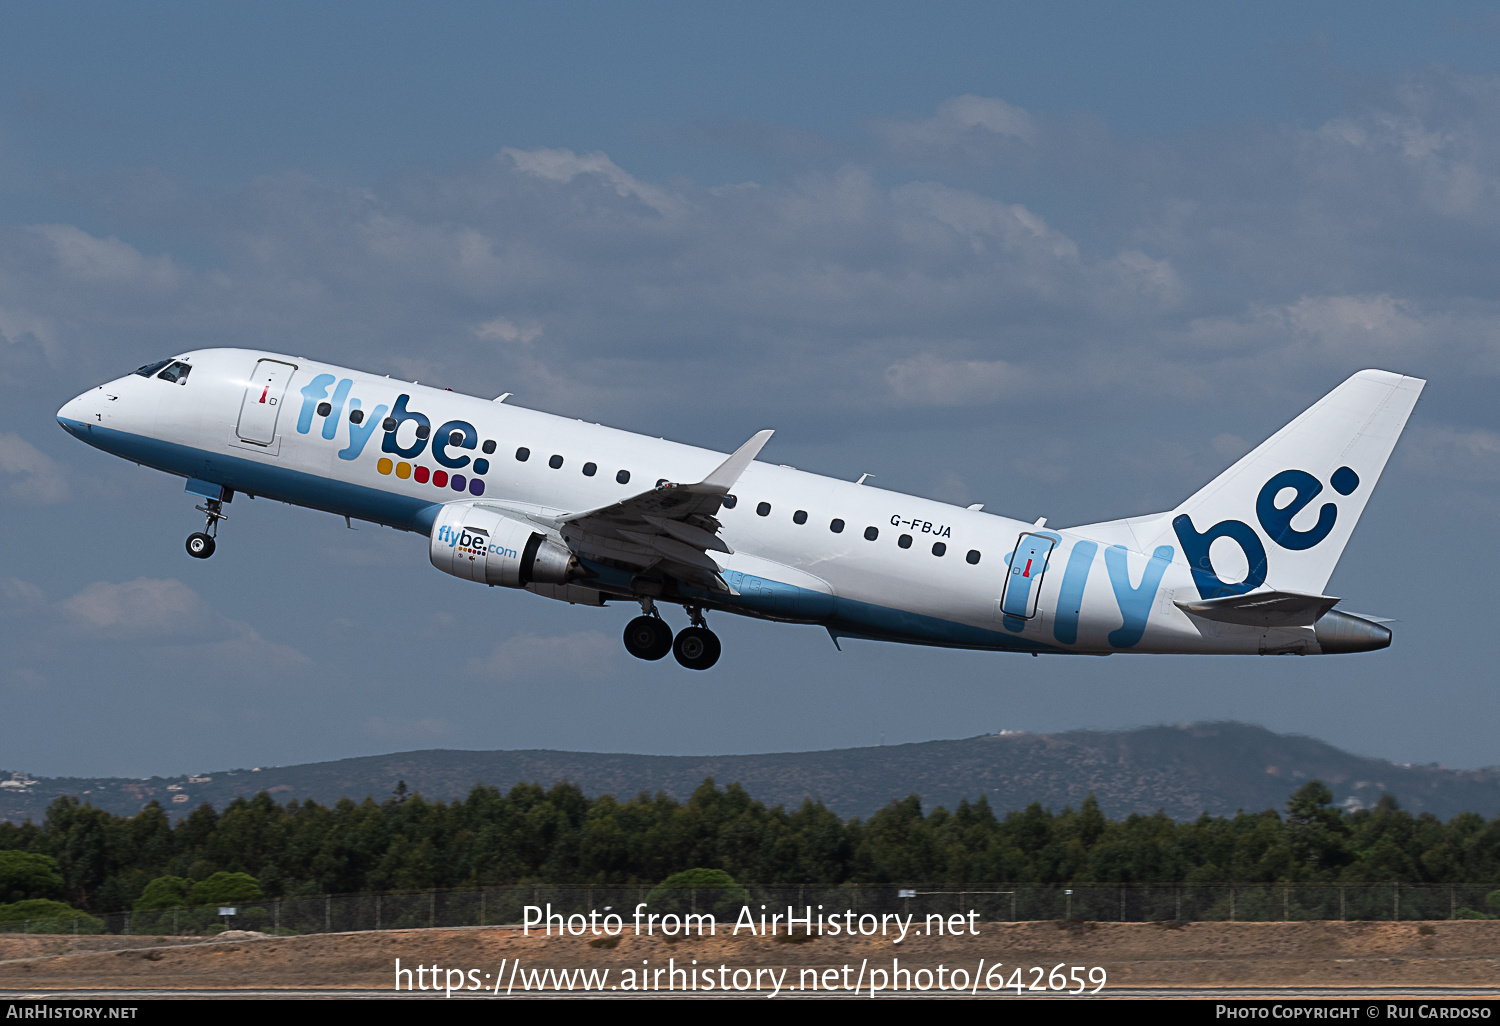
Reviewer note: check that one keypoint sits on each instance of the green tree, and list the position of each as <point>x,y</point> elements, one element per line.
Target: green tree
<point>225,889</point>
<point>701,890</point>
<point>25,874</point>
<point>47,916</point>
<point>1316,832</point>
<point>165,892</point>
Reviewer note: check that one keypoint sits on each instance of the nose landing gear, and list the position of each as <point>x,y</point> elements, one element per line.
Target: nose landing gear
<point>201,544</point>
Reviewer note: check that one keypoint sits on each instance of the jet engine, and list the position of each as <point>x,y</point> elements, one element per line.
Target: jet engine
<point>489,547</point>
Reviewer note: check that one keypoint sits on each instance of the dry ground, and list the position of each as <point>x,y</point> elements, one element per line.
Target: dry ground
<point>1321,954</point>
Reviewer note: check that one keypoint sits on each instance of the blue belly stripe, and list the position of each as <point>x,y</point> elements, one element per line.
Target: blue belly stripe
<point>402,512</point>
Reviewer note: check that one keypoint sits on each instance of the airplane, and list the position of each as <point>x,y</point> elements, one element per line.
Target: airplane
<point>586,514</point>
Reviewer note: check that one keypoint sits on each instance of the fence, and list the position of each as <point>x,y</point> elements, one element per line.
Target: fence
<point>991,902</point>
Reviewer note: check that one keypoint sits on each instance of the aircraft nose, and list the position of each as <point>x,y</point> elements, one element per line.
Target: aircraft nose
<point>74,414</point>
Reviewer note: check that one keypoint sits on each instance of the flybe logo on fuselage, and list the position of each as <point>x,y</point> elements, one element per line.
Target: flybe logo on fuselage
<point>448,442</point>
<point>472,542</point>
<point>1275,519</point>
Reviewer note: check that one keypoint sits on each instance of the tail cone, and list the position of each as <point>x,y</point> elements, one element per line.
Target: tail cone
<point>1339,633</point>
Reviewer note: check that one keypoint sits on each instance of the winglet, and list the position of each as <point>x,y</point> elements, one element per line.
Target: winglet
<point>728,472</point>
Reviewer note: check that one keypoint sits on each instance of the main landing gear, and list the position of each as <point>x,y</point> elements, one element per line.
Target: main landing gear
<point>200,544</point>
<point>649,637</point>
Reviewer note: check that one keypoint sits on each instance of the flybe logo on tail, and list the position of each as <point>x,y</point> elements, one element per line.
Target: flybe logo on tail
<point>1275,519</point>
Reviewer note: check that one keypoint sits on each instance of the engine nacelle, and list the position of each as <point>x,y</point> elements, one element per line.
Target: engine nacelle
<point>491,548</point>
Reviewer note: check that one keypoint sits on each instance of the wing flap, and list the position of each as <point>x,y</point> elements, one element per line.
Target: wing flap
<point>671,548</point>
<point>685,532</point>
<point>670,529</point>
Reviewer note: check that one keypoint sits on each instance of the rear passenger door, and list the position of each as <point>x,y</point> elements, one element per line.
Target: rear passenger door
<point>1023,584</point>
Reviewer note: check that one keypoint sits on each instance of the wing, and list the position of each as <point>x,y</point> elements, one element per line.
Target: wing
<point>673,527</point>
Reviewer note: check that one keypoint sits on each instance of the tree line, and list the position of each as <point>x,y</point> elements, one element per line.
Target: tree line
<point>559,836</point>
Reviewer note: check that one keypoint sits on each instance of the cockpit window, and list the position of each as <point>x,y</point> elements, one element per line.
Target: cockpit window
<point>151,368</point>
<point>178,372</point>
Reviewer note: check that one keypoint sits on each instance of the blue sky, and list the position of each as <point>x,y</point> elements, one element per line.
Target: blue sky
<point>1067,260</point>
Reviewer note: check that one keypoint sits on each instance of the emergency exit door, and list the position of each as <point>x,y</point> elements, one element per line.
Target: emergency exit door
<point>1023,584</point>
<point>262,402</point>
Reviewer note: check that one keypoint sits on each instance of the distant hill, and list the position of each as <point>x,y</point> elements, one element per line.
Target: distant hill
<point>1185,770</point>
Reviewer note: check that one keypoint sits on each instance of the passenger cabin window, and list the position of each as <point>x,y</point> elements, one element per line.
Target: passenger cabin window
<point>488,446</point>
<point>938,548</point>
<point>151,368</point>
<point>389,424</point>
<point>973,556</point>
<point>904,541</point>
<point>324,409</point>
<point>799,517</point>
<point>871,533</point>
<point>423,430</point>
<point>523,454</point>
<point>555,463</point>
<point>763,509</point>
<point>590,469</point>
<point>836,526</point>
<point>456,438</point>
<point>177,372</point>
<point>356,416</point>
<point>623,477</point>
<point>729,502</point>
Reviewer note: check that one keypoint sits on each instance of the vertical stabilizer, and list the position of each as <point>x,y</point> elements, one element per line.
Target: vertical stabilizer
<point>1281,516</point>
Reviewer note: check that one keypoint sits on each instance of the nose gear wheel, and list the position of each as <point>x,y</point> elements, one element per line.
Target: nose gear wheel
<point>201,544</point>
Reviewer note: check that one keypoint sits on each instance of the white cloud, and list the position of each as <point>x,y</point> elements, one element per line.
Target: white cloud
<point>82,257</point>
<point>565,165</point>
<point>1364,329</point>
<point>16,324</point>
<point>1359,324</point>
<point>41,478</point>
<point>144,606</point>
<point>985,222</point>
<point>1471,456</point>
<point>928,380</point>
<point>587,654</point>
<point>22,594</point>
<point>1178,266</point>
<point>961,122</point>
<point>1156,278</point>
<point>171,621</point>
<point>244,654</point>
<point>503,330</point>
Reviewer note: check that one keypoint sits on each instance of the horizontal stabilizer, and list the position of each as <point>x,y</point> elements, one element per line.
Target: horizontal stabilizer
<point>1262,608</point>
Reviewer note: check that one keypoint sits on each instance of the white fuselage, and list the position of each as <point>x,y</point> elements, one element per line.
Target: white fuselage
<point>902,568</point>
